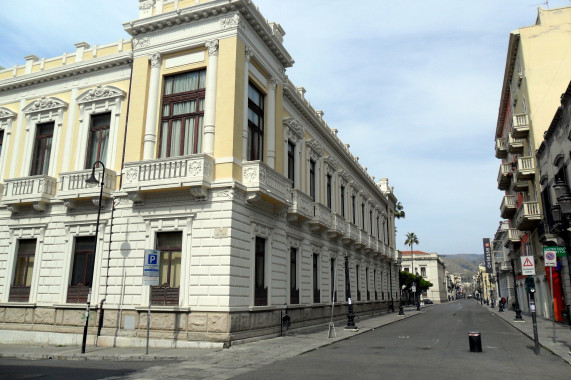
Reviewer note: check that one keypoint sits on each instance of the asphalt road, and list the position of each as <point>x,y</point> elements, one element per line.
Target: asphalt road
<point>15,369</point>
<point>433,345</point>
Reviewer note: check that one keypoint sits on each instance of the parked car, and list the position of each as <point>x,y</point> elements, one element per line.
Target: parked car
<point>428,302</point>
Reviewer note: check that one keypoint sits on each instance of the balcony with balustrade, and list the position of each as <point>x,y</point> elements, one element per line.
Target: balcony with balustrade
<point>351,235</point>
<point>322,219</point>
<point>528,216</point>
<point>192,172</point>
<point>515,145</point>
<point>508,206</point>
<point>501,147</point>
<point>265,183</point>
<point>525,168</point>
<point>505,176</point>
<point>338,226</point>
<point>520,126</point>
<point>72,186</point>
<point>301,208</point>
<point>37,190</point>
<point>513,236</point>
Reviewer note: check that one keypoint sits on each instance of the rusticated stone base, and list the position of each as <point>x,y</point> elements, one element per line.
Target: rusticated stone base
<point>176,325</point>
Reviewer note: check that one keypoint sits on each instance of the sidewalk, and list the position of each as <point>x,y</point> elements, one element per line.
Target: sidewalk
<point>293,344</point>
<point>562,345</point>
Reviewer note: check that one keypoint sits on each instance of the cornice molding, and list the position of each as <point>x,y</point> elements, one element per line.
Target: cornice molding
<point>245,12</point>
<point>67,71</point>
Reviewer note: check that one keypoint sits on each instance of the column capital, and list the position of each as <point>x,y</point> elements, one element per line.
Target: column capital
<point>273,81</point>
<point>248,54</point>
<point>212,47</point>
<point>155,60</point>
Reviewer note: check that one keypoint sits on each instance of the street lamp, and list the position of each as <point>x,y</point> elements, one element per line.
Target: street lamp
<point>500,303</point>
<point>517,309</point>
<point>350,315</point>
<point>92,182</point>
<point>417,295</point>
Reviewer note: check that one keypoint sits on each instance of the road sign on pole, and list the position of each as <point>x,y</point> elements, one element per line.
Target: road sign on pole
<point>151,267</point>
<point>550,256</point>
<point>527,266</point>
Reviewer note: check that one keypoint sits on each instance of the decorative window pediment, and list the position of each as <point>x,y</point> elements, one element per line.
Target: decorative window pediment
<point>331,166</point>
<point>100,93</point>
<point>44,104</point>
<point>344,176</point>
<point>315,149</point>
<point>5,113</point>
<point>293,130</point>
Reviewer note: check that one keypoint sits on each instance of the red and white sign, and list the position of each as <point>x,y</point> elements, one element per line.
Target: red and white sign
<point>527,266</point>
<point>550,258</point>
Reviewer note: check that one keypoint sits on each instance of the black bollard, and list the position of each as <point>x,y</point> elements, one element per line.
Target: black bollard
<point>475,341</point>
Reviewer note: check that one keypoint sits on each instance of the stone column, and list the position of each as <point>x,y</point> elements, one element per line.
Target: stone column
<point>271,125</point>
<point>210,97</point>
<point>248,54</point>
<point>152,107</point>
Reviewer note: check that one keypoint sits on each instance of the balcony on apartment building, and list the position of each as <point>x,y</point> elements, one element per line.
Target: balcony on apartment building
<point>72,186</point>
<point>513,236</point>
<point>505,176</point>
<point>351,235</point>
<point>520,126</point>
<point>515,145</point>
<point>38,190</point>
<point>321,217</point>
<point>525,169</point>
<point>501,147</point>
<point>527,216</point>
<point>301,208</point>
<point>193,172</point>
<point>508,206</point>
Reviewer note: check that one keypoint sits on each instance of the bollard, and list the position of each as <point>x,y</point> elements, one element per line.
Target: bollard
<point>475,341</point>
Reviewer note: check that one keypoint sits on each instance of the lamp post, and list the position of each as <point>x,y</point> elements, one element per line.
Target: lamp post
<point>500,303</point>
<point>350,315</point>
<point>417,294</point>
<point>517,309</point>
<point>392,308</point>
<point>92,181</point>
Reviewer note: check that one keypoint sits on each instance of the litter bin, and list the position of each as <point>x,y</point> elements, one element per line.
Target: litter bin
<point>475,341</point>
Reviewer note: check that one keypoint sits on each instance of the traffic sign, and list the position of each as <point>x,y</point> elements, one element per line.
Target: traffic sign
<point>151,267</point>
<point>527,266</point>
<point>550,257</point>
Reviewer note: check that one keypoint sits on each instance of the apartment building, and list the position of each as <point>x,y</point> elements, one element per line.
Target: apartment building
<point>536,73</point>
<point>206,152</point>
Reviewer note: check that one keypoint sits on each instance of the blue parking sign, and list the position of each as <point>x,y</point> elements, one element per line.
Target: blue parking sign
<point>151,267</point>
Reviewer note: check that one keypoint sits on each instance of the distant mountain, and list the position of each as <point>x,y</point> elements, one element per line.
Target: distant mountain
<point>465,264</point>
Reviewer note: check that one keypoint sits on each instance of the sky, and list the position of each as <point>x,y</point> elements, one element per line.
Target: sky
<point>412,86</point>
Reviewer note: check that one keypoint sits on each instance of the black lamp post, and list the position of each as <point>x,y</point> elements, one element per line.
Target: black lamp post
<point>392,308</point>
<point>480,280</point>
<point>350,315</point>
<point>500,303</point>
<point>517,309</point>
<point>417,293</point>
<point>92,181</point>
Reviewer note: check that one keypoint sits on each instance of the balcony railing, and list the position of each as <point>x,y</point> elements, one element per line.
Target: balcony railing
<point>352,234</point>
<point>321,217</point>
<point>520,126</point>
<point>39,190</point>
<point>508,206</point>
<point>193,171</point>
<point>525,168</point>
<point>514,236</point>
<point>528,215</point>
<point>504,176</point>
<point>72,184</point>
<point>338,226</point>
<point>515,145</point>
<point>263,182</point>
<point>501,147</point>
<point>301,206</point>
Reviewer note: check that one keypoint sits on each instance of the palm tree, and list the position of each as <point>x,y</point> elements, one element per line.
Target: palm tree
<point>399,211</point>
<point>411,239</point>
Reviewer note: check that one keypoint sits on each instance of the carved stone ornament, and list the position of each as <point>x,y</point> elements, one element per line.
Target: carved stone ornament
<point>248,54</point>
<point>131,175</point>
<point>100,93</point>
<point>294,130</point>
<point>273,83</point>
<point>155,60</point>
<point>146,4</point>
<point>141,42</point>
<point>5,113</point>
<point>225,194</point>
<point>252,175</point>
<point>212,47</point>
<point>315,149</point>
<point>195,168</point>
<point>44,104</point>
<point>344,175</point>
<point>331,165</point>
<point>232,22</point>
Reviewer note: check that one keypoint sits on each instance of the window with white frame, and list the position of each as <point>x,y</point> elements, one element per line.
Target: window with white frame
<point>255,124</point>
<point>82,269</point>
<point>20,289</point>
<point>42,149</point>
<point>170,246</point>
<point>312,179</point>
<point>293,271</point>
<point>98,139</point>
<point>291,162</point>
<point>315,271</point>
<point>260,288</point>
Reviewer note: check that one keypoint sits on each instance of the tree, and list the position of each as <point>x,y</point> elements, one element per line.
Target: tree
<point>399,211</point>
<point>412,239</point>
